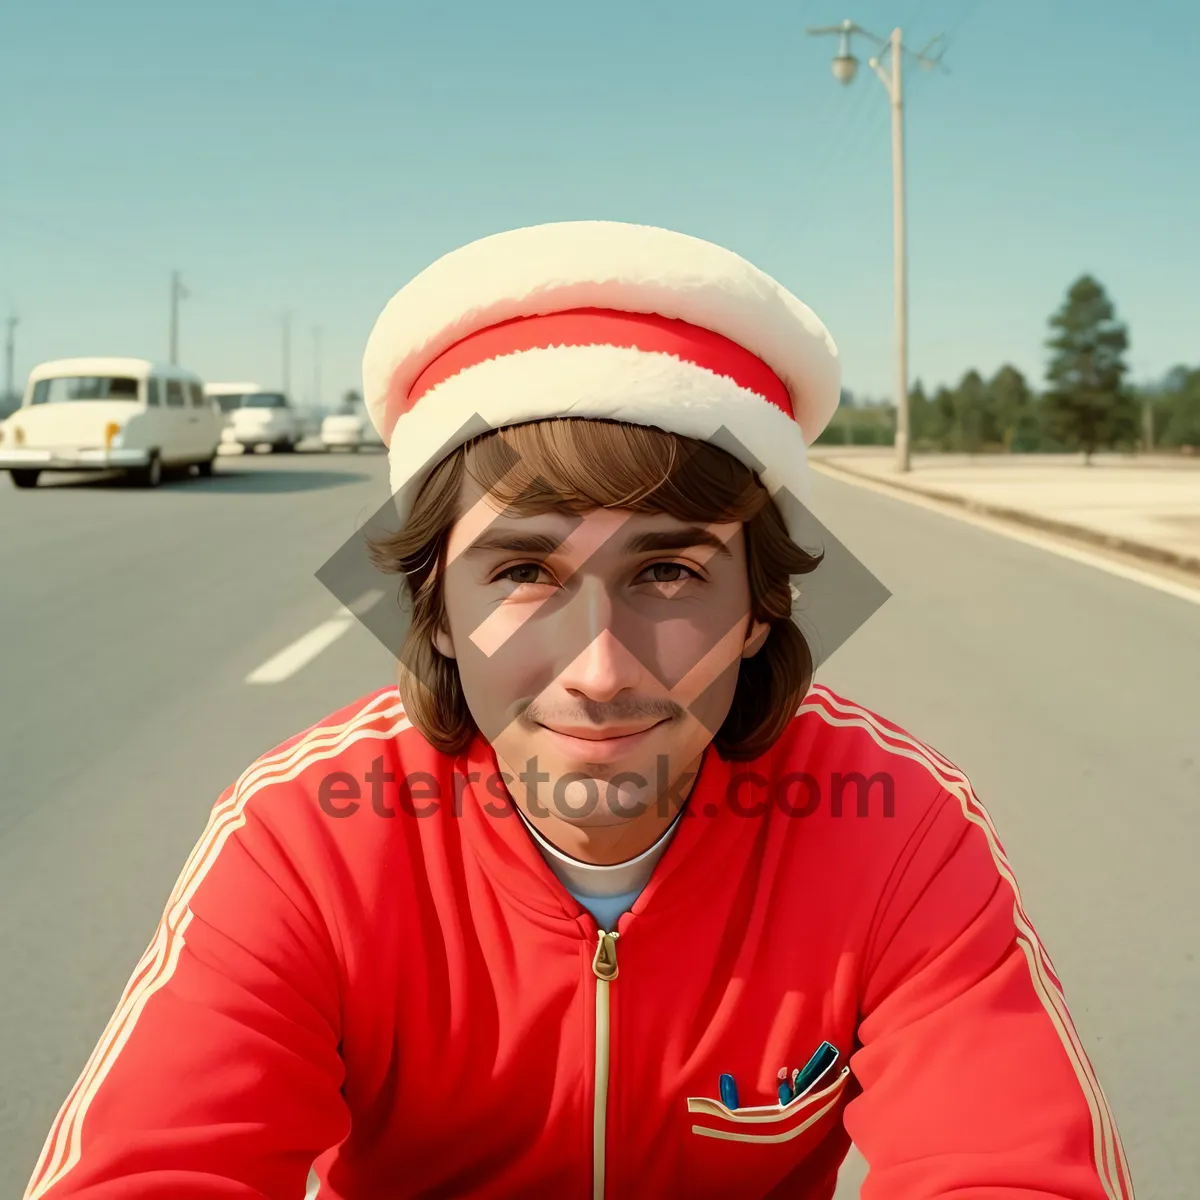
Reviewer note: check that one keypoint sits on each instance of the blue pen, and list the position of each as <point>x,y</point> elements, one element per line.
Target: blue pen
<point>729,1096</point>
<point>825,1056</point>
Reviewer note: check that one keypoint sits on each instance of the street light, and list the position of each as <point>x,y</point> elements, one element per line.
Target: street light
<point>845,65</point>
<point>845,68</point>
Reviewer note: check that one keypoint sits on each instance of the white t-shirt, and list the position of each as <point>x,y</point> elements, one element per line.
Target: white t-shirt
<point>606,892</point>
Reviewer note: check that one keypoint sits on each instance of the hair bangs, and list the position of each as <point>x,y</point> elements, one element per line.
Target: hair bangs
<point>577,464</point>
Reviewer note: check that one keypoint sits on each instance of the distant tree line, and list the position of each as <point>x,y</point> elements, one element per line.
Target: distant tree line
<point>1086,404</point>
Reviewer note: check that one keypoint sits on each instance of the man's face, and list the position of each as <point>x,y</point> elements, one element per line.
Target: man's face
<point>599,651</point>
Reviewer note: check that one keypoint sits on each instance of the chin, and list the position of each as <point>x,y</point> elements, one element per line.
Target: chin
<point>614,789</point>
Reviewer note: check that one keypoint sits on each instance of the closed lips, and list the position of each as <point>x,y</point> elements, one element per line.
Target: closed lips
<point>590,733</point>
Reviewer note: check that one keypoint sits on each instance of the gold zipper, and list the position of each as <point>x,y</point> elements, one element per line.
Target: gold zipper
<point>604,965</point>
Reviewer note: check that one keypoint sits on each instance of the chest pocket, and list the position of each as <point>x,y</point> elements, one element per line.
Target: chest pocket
<point>769,1124</point>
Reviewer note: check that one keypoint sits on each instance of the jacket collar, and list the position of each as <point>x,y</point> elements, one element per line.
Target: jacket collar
<point>709,840</point>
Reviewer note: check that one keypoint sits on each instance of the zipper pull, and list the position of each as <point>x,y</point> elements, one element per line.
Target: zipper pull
<point>604,964</point>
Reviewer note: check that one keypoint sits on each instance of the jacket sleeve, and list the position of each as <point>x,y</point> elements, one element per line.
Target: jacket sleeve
<point>219,1074</point>
<point>974,1081</point>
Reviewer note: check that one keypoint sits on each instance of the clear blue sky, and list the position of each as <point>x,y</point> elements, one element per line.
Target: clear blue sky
<point>314,156</point>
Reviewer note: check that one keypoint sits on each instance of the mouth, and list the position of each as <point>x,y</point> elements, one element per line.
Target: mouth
<point>593,744</point>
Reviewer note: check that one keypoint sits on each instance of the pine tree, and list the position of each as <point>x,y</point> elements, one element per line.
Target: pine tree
<point>1180,408</point>
<point>918,414</point>
<point>971,415</point>
<point>1087,404</point>
<point>1011,404</point>
<point>941,419</point>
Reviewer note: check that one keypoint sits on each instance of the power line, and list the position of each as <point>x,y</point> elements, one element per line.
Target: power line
<point>857,117</point>
<point>201,299</point>
<point>969,10</point>
<point>125,256</point>
<point>89,242</point>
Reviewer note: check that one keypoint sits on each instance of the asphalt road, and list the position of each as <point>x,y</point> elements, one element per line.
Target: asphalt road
<point>130,620</point>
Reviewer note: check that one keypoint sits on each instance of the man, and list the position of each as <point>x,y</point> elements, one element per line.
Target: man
<point>606,898</point>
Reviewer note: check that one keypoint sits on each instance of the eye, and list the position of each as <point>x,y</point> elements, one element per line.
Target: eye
<point>668,572</point>
<point>521,574</point>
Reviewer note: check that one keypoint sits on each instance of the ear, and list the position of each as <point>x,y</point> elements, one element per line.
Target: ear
<point>755,639</point>
<point>443,643</point>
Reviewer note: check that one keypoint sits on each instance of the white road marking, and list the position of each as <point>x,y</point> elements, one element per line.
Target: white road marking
<point>1087,558</point>
<point>363,604</point>
<point>304,649</point>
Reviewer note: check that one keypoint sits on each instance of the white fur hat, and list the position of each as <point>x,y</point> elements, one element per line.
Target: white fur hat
<point>605,320</point>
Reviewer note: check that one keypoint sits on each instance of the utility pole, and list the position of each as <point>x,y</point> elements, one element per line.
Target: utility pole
<point>287,353</point>
<point>316,367</point>
<point>178,292</point>
<point>895,88</point>
<point>9,354</point>
<point>845,67</point>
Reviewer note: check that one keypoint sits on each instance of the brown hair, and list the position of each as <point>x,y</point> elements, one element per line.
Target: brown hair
<point>575,464</point>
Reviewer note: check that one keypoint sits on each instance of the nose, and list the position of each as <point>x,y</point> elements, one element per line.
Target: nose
<point>605,667</point>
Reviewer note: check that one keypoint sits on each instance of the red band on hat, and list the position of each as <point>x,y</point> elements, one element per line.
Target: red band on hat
<point>603,327</point>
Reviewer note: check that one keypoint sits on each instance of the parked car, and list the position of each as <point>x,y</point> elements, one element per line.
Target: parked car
<point>228,397</point>
<point>103,414</point>
<point>350,427</point>
<point>263,418</point>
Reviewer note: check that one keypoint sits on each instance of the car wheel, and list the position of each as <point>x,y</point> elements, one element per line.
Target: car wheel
<point>25,478</point>
<point>151,474</point>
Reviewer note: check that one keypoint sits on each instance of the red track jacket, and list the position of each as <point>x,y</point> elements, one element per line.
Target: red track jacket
<point>397,988</point>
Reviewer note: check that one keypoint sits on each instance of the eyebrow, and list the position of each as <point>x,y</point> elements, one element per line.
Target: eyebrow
<point>660,541</point>
<point>514,542</point>
<point>677,539</point>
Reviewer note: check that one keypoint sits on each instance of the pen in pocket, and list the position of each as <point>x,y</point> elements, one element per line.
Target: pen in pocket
<point>824,1058</point>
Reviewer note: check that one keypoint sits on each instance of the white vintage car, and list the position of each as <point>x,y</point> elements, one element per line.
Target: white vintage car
<point>350,427</point>
<point>262,418</point>
<point>104,414</point>
<point>228,398</point>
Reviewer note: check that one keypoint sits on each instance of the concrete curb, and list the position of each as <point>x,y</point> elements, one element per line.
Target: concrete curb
<point>1078,533</point>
